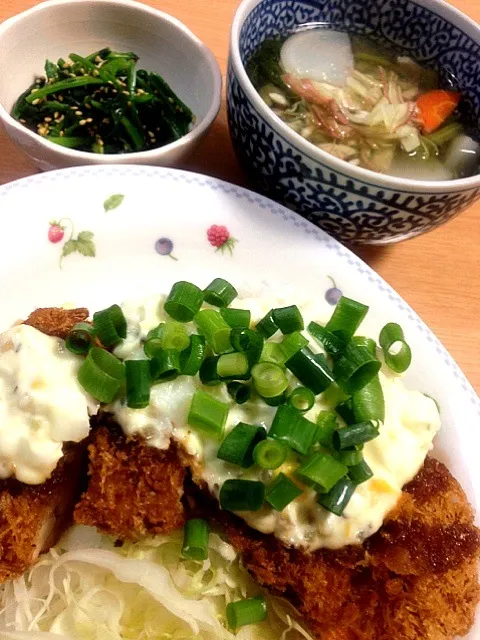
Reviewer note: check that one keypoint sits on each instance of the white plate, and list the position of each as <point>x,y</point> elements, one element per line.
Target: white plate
<point>158,234</point>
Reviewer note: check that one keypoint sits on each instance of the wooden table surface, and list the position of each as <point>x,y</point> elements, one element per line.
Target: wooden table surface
<point>438,274</point>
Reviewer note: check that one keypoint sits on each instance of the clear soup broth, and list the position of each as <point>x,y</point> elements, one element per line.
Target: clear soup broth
<point>365,104</point>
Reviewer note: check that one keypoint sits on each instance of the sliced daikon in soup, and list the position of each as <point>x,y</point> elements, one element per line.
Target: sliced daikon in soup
<point>319,54</point>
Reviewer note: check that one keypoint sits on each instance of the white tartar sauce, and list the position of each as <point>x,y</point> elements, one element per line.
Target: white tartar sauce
<point>41,403</point>
<point>395,457</point>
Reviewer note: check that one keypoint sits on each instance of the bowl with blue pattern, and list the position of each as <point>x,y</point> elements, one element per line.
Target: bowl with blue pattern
<point>351,203</point>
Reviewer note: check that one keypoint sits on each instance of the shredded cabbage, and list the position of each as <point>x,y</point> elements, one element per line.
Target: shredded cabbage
<point>87,588</point>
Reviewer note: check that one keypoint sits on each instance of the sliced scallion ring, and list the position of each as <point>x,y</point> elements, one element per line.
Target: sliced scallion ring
<point>396,351</point>
<point>80,338</point>
<point>101,374</point>
<point>110,326</point>
<point>183,301</point>
<point>219,293</point>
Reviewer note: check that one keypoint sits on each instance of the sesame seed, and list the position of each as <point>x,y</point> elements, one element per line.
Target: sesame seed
<point>23,121</point>
<point>89,120</point>
<point>96,72</point>
<point>170,100</point>
<point>60,98</point>
<point>151,134</point>
<point>48,119</point>
<point>153,140</point>
<point>114,91</point>
<point>79,113</point>
<point>56,114</point>
<point>88,106</point>
<point>73,108</point>
<point>62,133</point>
<point>109,82</point>
<point>125,93</point>
<point>34,91</point>
<point>140,92</point>
<point>36,101</point>
<point>72,75</point>
<point>106,120</point>
<point>82,122</point>
<point>98,59</point>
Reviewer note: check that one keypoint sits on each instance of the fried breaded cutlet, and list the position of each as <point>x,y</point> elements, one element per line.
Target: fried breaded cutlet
<point>56,322</point>
<point>133,488</point>
<point>416,579</point>
<point>33,517</point>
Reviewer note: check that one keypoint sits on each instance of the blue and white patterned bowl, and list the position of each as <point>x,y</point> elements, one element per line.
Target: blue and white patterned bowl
<point>351,203</point>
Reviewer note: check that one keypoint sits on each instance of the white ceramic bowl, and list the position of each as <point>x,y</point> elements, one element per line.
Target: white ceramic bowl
<point>56,28</point>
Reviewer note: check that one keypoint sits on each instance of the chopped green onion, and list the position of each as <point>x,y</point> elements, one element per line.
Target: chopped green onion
<point>346,318</point>
<point>272,353</point>
<point>80,338</point>
<point>195,540</point>
<point>270,454</point>
<point>156,332</point>
<point>288,319</point>
<point>367,343</point>
<point>184,301</point>
<point>101,374</point>
<point>281,492</point>
<point>217,332</point>
<point>293,429</point>
<point>208,371</point>
<point>327,424</point>
<point>355,368</point>
<point>242,495</point>
<point>207,414</point>
<point>302,399</point>
<point>174,336</point>
<point>369,402</point>
<point>238,446</point>
<point>276,401</point>
<point>332,343</point>
<point>192,357</point>
<point>236,318</point>
<point>152,347</point>
<point>219,293</point>
<point>269,379</point>
<point>248,342</point>
<point>322,469</point>
<point>165,366</point>
<point>110,326</point>
<point>292,344</point>
<point>138,383</point>
<point>396,351</point>
<point>360,473</point>
<point>266,326</point>
<point>337,499</point>
<point>239,391</point>
<point>345,411</point>
<point>350,457</point>
<point>232,365</point>
<point>354,434</point>
<point>244,612</point>
<point>310,370</point>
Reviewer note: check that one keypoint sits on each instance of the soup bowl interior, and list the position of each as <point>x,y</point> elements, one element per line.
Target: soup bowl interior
<point>431,32</point>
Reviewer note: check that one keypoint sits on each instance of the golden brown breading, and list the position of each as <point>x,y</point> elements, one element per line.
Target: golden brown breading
<point>416,579</point>
<point>133,488</point>
<point>32,517</point>
<point>56,322</point>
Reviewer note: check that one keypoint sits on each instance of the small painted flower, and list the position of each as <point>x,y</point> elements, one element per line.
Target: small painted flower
<point>333,295</point>
<point>219,237</point>
<point>164,247</point>
<point>56,232</point>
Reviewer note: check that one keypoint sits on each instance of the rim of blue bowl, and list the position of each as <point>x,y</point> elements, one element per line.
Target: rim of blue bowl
<point>192,136</point>
<point>381,180</point>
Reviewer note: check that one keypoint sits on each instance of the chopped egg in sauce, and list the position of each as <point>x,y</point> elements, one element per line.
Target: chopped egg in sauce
<point>42,406</point>
<point>395,456</point>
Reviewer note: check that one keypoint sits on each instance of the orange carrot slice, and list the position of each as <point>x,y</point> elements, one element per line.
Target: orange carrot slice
<point>435,106</point>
